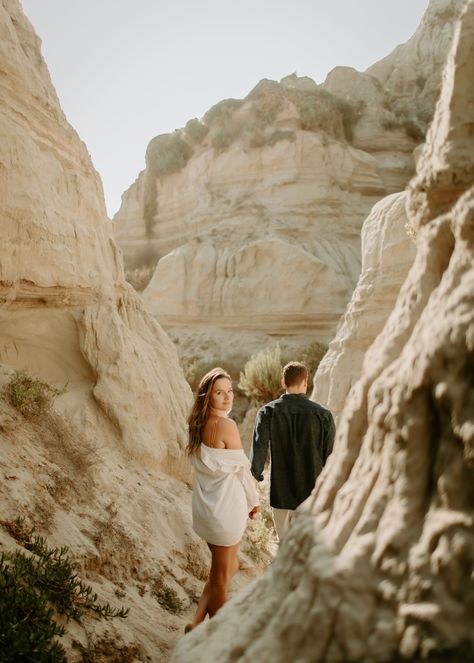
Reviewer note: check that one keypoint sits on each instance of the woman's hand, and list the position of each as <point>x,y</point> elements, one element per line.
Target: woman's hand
<point>254,512</point>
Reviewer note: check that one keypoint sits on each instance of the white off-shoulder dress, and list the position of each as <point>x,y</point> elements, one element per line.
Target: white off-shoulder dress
<point>224,493</point>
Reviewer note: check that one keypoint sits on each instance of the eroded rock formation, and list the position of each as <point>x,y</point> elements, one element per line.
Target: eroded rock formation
<point>103,472</point>
<point>387,254</point>
<point>266,196</point>
<point>378,565</point>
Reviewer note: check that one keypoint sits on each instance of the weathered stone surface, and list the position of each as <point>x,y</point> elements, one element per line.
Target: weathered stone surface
<point>104,471</point>
<point>62,283</point>
<point>294,168</point>
<point>278,240</point>
<point>387,255</point>
<point>378,564</point>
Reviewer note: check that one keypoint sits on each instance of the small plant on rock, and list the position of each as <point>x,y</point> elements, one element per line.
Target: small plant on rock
<point>31,396</point>
<point>167,597</point>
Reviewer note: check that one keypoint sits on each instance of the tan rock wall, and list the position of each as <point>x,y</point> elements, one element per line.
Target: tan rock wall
<point>67,313</point>
<point>103,471</point>
<point>378,563</point>
<point>387,255</point>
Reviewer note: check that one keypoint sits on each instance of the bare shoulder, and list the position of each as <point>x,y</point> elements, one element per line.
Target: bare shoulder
<point>230,434</point>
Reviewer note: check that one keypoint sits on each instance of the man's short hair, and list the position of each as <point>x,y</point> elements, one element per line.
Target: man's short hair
<point>294,373</point>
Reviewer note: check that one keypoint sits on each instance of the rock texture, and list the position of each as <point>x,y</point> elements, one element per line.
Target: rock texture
<point>267,196</point>
<point>104,471</point>
<point>387,255</point>
<point>273,233</point>
<point>379,562</point>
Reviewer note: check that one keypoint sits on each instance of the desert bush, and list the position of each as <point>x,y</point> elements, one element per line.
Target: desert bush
<point>196,368</point>
<point>260,531</point>
<point>220,113</point>
<point>351,113</point>
<point>28,631</point>
<point>34,589</point>
<point>196,130</point>
<point>167,154</point>
<point>311,356</point>
<point>260,379</point>
<point>167,597</point>
<point>223,137</point>
<point>31,396</point>
<point>256,139</point>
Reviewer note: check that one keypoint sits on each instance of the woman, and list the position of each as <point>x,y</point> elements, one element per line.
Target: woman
<point>224,490</point>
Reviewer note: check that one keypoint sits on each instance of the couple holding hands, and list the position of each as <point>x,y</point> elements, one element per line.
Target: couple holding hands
<point>300,435</point>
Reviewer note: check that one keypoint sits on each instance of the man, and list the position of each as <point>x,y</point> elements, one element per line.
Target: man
<point>301,435</point>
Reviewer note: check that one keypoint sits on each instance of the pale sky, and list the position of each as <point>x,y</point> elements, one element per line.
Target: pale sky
<point>128,70</point>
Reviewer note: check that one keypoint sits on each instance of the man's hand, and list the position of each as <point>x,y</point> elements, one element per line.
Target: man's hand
<point>254,512</point>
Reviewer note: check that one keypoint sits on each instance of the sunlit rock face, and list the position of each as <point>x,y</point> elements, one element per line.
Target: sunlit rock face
<point>277,250</point>
<point>378,563</point>
<point>68,314</point>
<point>387,254</point>
<point>102,472</point>
<point>267,195</point>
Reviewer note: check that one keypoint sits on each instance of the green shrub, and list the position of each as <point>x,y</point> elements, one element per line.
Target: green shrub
<point>31,396</point>
<point>260,531</point>
<point>223,137</point>
<point>312,355</point>
<point>220,113</point>
<point>196,130</point>
<point>167,154</point>
<point>167,597</point>
<point>260,379</point>
<point>28,631</point>
<point>256,139</point>
<point>196,368</point>
<point>36,588</point>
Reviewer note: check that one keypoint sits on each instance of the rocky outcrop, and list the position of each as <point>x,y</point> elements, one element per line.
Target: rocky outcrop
<point>378,564</point>
<point>232,203</point>
<point>62,283</point>
<point>103,471</point>
<point>387,255</point>
<point>263,222</point>
<point>411,73</point>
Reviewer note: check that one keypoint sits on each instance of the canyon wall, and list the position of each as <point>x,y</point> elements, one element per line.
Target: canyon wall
<point>266,197</point>
<point>103,471</point>
<point>378,564</point>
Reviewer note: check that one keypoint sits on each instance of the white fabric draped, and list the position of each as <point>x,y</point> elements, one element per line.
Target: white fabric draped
<point>224,493</point>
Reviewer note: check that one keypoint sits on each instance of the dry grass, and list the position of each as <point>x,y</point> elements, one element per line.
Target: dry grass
<point>31,396</point>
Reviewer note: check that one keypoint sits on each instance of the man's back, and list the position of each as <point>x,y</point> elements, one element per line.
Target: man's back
<point>301,434</point>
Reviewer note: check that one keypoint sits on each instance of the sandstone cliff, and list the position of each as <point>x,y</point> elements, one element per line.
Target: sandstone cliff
<point>387,255</point>
<point>267,195</point>
<point>378,564</point>
<point>102,473</point>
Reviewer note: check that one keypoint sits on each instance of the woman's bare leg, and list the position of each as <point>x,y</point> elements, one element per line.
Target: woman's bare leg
<point>223,568</point>
<point>201,611</point>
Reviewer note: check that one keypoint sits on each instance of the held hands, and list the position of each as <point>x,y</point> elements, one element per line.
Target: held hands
<point>254,512</point>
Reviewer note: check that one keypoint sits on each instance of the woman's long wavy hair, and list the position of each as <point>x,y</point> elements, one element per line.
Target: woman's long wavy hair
<point>201,408</point>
